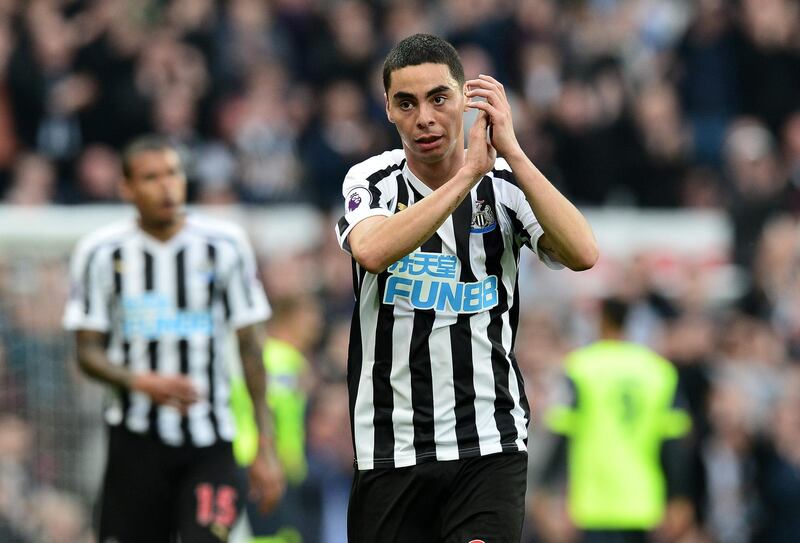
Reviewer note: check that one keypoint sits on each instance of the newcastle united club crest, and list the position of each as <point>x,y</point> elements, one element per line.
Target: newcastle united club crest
<point>483,220</point>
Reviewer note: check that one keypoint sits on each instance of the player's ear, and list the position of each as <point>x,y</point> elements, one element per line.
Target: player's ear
<point>464,96</point>
<point>125,189</point>
<point>386,105</point>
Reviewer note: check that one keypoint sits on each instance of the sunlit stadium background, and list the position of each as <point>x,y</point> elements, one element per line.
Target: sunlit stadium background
<point>674,124</point>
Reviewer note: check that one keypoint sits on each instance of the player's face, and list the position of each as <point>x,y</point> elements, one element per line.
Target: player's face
<point>157,186</point>
<point>427,105</point>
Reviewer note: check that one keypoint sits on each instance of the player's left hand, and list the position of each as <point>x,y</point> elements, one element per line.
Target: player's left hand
<point>497,108</point>
<point>267,482</point>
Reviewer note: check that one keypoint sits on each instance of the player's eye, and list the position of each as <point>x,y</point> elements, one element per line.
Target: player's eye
<point>439,100</point>
<point>405,105</point>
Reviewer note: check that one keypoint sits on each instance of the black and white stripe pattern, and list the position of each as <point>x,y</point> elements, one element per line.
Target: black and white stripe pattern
<point>168,307</point>
<point>429,380</point>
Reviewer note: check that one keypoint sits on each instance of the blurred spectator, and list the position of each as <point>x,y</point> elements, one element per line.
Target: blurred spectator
<point>98,172</point>
<point>728,471</point>
<point>263,138</point>
<point>484,24</point>
<point>112,35</point>
<point>541,66</point>
<point>701,188</point>
<point>332,360</point>
<point>193,21</point>
<point>661,153</point>
<point>246,34</point>
<point>59,518</point>
<point>777,463</point>
<point>759,188</point>
<point>649,308</point>
<point>707,77</point>
<point>48,93</point>
<point>587,156</point>
<point>331,458</point>
<point>774,292</point>
<point>16,441</point>
<point>791,152</point>
<point>404,18</point>
<point>12,391</point>
<point>343,136</point>
<point>352,45</point>
<point>33,182</point>
<point>769,59</point>
<point>8,136</point>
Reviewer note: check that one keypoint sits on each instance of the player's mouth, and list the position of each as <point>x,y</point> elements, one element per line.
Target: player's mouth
<point>426,143</point>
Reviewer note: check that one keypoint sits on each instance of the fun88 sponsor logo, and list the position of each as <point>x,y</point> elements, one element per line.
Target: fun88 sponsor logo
<point>151,316</point>
<point>428,281</point>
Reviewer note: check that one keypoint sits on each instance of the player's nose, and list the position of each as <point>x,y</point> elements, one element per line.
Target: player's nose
<point>425,117</point>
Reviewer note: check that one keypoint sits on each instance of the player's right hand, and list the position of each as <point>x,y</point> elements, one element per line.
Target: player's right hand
<point>175,390</point>
<point>267,481</point>
<point>480,152</point>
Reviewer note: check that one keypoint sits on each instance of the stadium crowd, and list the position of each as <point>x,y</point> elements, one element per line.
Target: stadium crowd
<point>645,104</point>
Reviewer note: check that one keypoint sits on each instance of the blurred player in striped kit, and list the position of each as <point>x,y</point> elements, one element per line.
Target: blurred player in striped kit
<point>153,300</point>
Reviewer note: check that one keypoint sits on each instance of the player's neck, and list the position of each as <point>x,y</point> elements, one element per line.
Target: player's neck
<point>162,231</point>
<point>288,334</point>
<point>436,174</point>
<point>610,333</point>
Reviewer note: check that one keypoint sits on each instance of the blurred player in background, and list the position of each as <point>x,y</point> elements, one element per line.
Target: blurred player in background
<point>153,300</point>
<point>294,330</point>
<point>435,232</point>
<point>626,466</point>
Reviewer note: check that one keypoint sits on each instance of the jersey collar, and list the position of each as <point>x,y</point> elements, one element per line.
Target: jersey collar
<point>415,181</point>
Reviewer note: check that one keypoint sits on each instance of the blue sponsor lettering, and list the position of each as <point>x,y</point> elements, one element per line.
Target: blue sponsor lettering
<point>395,287</point>
<point>443,295</point>
<point>430,264</point>
<point>489,291</point>
<point>416,294</point>
<point>451,294</point>
<point>473,298</point>
<point>151,316</point>
<point>428,281</point>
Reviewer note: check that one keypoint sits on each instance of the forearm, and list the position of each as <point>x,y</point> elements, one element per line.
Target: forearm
<point>94,362</point>
<point>380,243</point>
<point>569,235</point>
<point>251,341</point>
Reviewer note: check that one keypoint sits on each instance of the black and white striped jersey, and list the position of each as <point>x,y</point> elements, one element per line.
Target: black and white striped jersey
<point>168,307</point>
<point>431,371</point>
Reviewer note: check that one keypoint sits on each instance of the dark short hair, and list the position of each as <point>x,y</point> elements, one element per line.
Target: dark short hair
<point>421,49</point>
<point>143,144</point>
<point>615,312</point>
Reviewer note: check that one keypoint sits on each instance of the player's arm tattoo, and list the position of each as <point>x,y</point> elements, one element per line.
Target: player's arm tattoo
<point>251,344</point>
<point>545,247</point>
<point>94,362</point>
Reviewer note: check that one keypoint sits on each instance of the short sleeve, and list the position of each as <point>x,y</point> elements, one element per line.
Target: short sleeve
<point>534,232</point>
<point>363,198</point>
<point>527,230</point>
<point>561,417</point>
<point>246,300</point>
<point>87,307</point>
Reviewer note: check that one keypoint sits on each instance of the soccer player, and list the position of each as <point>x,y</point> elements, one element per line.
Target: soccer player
<point>438,408</point>
<point>293,331</point>
<point>152,302</point>
<point>626,462</point>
